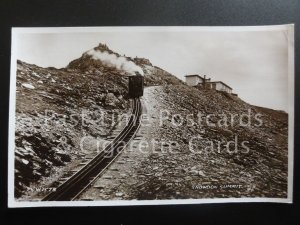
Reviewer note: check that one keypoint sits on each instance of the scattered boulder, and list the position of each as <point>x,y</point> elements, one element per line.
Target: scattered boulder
<point>28,86</point>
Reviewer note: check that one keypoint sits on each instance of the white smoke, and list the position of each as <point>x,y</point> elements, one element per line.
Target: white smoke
<point>111,60</point>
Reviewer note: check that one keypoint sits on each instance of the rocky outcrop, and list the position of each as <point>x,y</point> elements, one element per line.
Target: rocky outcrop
<point>142,61</point>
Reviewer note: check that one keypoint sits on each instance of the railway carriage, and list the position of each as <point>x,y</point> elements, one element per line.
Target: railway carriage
<point>136,86</point>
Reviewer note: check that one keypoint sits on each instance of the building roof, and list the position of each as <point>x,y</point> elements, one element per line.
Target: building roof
<point>220,82</point>
<point>194,75</point>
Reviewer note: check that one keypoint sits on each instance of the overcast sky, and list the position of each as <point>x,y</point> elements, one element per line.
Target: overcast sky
<point>253,63</point>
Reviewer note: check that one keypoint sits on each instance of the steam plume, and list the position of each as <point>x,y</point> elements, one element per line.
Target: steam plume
<point>121,63</point>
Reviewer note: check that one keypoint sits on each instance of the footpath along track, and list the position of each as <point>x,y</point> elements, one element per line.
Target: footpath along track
<point>85,177</point>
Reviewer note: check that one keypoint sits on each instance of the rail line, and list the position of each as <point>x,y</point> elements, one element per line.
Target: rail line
<point>86,176</point>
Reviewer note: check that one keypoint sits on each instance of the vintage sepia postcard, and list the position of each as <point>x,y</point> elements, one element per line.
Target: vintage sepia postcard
<point>151,115</point>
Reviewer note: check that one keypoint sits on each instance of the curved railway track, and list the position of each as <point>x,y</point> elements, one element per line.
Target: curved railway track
<point>85,177</point>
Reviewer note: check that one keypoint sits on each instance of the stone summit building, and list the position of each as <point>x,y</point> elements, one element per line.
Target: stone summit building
<point>197,80</point>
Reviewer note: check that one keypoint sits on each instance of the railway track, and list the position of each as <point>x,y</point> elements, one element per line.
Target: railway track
<point>85,177</point>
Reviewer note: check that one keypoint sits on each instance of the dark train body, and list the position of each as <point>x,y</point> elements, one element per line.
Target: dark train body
<point>136,86</point>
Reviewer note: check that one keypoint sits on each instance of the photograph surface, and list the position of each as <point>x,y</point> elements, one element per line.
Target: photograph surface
<point>151,115</point>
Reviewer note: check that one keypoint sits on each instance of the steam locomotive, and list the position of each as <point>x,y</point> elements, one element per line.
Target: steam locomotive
<point>136,86</point>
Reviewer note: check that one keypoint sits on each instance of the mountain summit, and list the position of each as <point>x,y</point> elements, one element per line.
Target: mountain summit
<point>103,60</point>
<point>101,57</point>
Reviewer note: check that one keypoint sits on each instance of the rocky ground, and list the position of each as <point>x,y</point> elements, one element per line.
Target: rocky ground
<point>55,109</point>
<point>158,173</point>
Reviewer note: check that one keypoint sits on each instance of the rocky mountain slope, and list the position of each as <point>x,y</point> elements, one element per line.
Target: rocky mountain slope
<point>249,151</point>
<point>50,104</point>
<point>167,168</point>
